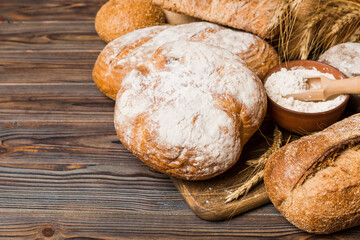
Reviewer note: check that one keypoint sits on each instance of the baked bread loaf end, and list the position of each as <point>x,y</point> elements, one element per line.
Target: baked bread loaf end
<point>315,181</point>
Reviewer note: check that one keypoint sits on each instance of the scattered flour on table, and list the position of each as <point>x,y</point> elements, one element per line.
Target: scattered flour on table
<point>291,81</point>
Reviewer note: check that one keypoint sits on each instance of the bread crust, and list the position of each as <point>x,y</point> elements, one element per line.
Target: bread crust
<point>118,17</point>
<point>315,181</point>
<point>346,58</point>
<point>109,70</point>
<point>189,110</point>
<point>125,53</point>
<point>254,16</point>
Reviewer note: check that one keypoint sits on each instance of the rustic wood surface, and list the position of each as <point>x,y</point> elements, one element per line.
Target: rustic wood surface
<point>63,172</point>
<point>207,198</point>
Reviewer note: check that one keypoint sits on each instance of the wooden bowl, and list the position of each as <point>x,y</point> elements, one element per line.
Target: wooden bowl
<point>303,122</point>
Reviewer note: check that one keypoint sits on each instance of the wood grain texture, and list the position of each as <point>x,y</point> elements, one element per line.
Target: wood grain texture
<point>32,10</point>
<point>54,35</point>
<point>63,172</point>
<point>46,67</point>
<point>207,198</point>
<point>77,180</point>
<point>56,109</point>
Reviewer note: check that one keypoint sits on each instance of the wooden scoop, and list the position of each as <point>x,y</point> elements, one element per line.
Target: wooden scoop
<point>321,88</point>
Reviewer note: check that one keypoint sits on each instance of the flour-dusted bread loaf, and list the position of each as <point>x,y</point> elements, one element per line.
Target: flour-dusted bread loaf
<point>315,181</point>
<point>120,56</point>
<point>118,17</point>
<point>125,53</point>
<point>346,58</point>
<point>189,109</point>
<point>256,16</point>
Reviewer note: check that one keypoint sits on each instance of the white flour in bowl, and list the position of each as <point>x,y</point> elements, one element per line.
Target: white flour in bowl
<point>291,81</point>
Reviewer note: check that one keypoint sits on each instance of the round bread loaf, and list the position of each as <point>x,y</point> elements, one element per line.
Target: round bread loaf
<point>118,17</point>
<point>189,109</point>
<point>346,58</point>
<point>126,52</point>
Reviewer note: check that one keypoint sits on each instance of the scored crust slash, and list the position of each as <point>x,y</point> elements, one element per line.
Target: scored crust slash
<point>315,181</point>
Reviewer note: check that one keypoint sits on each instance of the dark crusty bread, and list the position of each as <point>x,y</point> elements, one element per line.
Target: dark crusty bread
<point>254,16</point>
<point>315,181</point>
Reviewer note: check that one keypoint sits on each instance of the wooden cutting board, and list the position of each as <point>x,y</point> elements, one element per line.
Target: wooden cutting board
<point>207,198</point>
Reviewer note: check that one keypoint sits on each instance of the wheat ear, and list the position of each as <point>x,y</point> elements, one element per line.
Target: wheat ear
<point>259,169</point>
<point>355,37</point>
<point>245,187</point>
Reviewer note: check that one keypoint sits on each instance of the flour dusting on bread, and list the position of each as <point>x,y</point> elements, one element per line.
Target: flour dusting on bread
<point>345,57</point>
<point>188,93</point>
<point>123,54</point>
<point>236,43</point>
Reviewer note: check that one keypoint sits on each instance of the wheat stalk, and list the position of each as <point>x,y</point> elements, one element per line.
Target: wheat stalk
<point>339,23</point>
<point>281,8</point>
<point>283,23</point>
<point>307,40</point>
<point>305,33</point>
<point>259,168</point>
<point>245,187</point>
<point>355,37</point>
<point>252,162</point>
<point>334,29</point>
<point>342,28</point>
<point>275,146</point>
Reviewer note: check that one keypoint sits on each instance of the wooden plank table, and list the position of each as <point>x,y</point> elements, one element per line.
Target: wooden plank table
<point>63,172</point>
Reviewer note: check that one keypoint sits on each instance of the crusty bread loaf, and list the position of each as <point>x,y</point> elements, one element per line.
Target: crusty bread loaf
<point>117,17</point>
<point>346,58</point>
<point>189,109</point>
<point>125,53</point>
<point>121,56</point>
<point>254,16</point>
<point>315,181</point>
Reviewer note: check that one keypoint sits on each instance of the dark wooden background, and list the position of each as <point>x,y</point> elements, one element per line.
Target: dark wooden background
<point>63,172</point>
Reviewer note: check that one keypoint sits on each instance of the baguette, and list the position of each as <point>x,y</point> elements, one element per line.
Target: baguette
<point>315,181</point>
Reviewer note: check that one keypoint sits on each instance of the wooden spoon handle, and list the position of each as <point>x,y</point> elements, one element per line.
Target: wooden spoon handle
<point>345,86</point>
